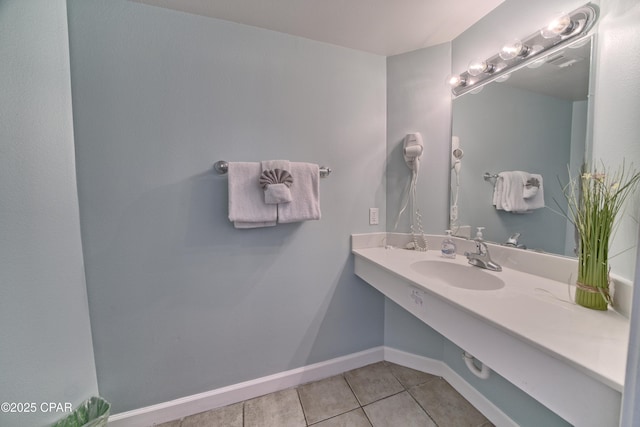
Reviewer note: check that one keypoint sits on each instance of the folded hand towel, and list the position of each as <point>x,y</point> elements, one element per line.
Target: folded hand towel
<point>305,193</point>
<point>275,164</point>
<point>536,200</point>
<point>274,172</point>
<point>532,186</point>
<point>275,194</point>
<point>513,200</point>
<point>246,199</point>
<point>498,191</point>
<point>512,195</point>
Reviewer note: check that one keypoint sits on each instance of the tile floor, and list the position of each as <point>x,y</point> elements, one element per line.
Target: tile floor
<point>379,395</point>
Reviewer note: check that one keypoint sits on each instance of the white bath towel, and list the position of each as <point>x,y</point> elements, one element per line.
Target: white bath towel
<point>246,199</point>
<point>511,194</point>
<point>305,194</point>
<point>275,164</point>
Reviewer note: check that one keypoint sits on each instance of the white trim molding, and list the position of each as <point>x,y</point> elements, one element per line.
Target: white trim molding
<point>441,369</point>
<point>189,405</point>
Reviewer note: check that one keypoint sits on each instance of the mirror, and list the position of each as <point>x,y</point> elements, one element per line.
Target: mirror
<point>536,121</point>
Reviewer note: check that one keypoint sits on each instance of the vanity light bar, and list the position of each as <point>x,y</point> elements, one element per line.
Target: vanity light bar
<point>518,53</point>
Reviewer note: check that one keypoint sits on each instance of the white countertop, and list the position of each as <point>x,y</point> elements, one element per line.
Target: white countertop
<point>535,309</point>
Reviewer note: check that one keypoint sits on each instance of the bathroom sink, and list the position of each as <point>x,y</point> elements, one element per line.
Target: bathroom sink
<point>458,275</point>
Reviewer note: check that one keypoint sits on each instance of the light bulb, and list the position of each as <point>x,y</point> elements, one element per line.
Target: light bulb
<point>514,49</point>
<point>455,80</point>
<point>478,66</point>
<point>558,27</point>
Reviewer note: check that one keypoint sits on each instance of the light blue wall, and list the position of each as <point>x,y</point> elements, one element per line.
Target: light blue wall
<point>500,129</point>
<point>617,124</point>
<point>418,100</point>
<point>181,302</point>
<point>46,350</point>
<point>616,127</point>
<point>406,332</point>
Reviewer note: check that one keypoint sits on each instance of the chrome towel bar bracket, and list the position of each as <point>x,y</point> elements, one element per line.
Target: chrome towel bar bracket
<point>222,167</point>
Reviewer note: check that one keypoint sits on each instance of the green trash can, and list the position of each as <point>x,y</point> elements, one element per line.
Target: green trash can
<point>93,412</point>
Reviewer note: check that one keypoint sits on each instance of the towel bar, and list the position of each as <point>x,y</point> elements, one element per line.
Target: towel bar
<point>222,167</point>
<point>488,176</point>
<point>531,182</point>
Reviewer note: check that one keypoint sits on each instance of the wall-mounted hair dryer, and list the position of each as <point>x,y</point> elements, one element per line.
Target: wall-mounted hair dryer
<point>412,149</point>
<point>456,165</point>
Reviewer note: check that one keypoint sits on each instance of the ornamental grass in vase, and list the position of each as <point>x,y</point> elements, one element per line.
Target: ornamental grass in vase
<point>593,202</point>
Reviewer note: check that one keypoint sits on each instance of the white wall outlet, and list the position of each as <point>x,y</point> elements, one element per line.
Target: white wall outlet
<point>373,216</point>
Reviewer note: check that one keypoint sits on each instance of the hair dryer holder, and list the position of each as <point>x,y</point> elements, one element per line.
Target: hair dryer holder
<point>412,149</point>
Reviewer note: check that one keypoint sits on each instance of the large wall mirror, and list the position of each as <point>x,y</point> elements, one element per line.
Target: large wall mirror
<point>535,121</point>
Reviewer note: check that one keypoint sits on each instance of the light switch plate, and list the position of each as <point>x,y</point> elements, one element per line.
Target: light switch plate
<point>373,216</point>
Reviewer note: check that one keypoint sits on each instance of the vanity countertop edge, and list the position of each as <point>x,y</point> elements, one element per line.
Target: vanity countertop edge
<point>535,309</point>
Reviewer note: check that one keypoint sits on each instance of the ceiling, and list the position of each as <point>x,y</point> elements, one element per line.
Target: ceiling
<point>383,27</point>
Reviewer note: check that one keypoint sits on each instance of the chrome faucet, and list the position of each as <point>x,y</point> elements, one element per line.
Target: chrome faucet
<point>481,258</point>
<point>513,242</point>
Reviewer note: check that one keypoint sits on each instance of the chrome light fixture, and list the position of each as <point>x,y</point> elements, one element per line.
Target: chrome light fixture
<point>477,67</point>
<point>514,49</point>
<point>518,53</point>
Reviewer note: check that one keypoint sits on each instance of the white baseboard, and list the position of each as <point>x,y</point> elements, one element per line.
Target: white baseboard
<point>201,402</point>
<point>439,368</point>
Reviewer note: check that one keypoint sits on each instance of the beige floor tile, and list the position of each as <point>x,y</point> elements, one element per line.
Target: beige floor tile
<point>174,423</point>
<point>355,418</point>
<point>409,377</point>
<point>373,382</point>
<point>327,398</point>
<point>397,410</point>
<point>279,409</point>
<point>446,406</point>
<point>227,416</point>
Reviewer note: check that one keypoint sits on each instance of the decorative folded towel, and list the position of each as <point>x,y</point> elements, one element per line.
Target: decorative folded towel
<point>515,192</point>
<point>275,181</point>
<point>536,199</point>
<point>305,192</point>
<point>246,201</point>
<point>275,164</point>
<point>532,185</point>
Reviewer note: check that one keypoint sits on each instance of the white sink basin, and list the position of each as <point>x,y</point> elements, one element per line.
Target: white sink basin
<point>458,275</point>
